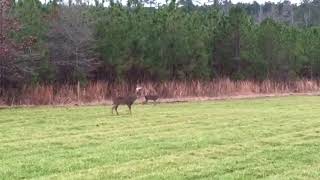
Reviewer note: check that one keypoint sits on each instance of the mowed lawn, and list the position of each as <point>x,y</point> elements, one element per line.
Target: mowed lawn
<point>272,138</point>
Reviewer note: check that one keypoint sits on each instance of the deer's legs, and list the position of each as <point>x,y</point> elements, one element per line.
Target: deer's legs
<point>129,106</point>
<point>115,107</point>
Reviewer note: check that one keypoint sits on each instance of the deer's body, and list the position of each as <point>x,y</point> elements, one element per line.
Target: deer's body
<point>124,100</point>
<point>151,97</point>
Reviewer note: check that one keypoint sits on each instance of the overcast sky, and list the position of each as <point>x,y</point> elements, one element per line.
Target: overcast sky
<point>250,1</point>
<point>206,1</point>
<point>262,1</point>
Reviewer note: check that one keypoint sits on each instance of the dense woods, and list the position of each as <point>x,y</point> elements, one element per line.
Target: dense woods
<point>59,43</point>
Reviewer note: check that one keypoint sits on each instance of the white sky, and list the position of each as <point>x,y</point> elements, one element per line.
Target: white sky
<point>263,1</point>
<point>248,1</point>
<point>206,1</point>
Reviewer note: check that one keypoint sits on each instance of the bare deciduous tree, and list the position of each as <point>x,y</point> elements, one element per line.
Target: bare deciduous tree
<point>70,40</point>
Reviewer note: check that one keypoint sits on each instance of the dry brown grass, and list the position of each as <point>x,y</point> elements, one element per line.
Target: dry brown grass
<point>100,92</point>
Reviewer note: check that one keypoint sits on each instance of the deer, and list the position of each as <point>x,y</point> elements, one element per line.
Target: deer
<point>154,98</point>
<point>125,100</point>
<point>151,94</point>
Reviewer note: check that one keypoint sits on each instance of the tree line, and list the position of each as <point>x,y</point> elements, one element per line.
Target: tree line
<point>53,42</point>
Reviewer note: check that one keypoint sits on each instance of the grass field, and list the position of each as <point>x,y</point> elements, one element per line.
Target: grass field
<point>275,138</point>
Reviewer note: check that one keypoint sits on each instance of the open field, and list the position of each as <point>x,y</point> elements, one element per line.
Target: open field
<point>271,138</point>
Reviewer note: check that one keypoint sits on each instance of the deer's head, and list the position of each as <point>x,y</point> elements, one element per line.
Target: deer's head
<point>138,88</point>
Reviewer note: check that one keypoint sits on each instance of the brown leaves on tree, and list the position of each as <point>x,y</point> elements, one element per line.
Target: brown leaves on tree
<point>8,24</point>
<point>13,59</point>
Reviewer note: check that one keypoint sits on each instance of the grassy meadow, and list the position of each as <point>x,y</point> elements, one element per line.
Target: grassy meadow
<point>269,138</point>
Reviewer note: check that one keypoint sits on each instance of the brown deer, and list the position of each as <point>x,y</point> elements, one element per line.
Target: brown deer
<point>125,100</point>
<point>150,94</point>
<point>154,98</point>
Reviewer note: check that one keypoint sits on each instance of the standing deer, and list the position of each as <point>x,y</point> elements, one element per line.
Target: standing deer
<point>125,100</point>
<point>151,97</point>
<point>150,94</point>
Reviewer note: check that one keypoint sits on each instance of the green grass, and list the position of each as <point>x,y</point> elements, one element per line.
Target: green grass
<point>275,138</point>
